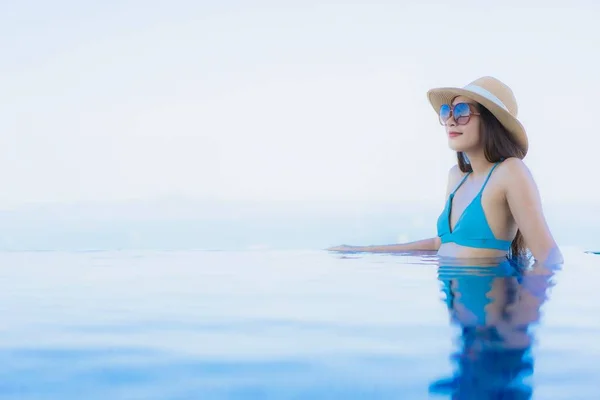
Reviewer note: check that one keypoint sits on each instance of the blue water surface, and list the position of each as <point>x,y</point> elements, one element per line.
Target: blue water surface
<point>294,324</point>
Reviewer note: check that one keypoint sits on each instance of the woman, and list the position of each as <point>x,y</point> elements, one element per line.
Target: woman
<point>493,207</point>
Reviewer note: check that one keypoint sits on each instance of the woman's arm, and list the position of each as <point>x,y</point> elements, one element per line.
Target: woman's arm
<point>431,244</point>
<point>526,207</point>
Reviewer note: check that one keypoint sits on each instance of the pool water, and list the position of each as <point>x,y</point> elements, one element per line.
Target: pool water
<point>294,324</point>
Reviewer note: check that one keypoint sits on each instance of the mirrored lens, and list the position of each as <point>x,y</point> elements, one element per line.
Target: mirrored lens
<point>462,113</point>
<point>461,110</point>
<point>444,113</point>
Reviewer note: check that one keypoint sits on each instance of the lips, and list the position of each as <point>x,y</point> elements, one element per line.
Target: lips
<point>454,134</point>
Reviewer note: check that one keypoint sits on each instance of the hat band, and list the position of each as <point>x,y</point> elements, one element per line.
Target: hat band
<point>488,95</point>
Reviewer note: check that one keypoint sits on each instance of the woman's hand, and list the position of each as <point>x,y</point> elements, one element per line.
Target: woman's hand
<point>345,248</point>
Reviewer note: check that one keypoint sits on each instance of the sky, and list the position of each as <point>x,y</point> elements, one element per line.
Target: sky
<point>282,100</point>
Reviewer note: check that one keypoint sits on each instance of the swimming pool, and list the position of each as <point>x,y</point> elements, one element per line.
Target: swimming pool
<point>292,324</point>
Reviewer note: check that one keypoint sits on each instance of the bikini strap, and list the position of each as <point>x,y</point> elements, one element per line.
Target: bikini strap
<point>488,178</point>
<point>461,182</point>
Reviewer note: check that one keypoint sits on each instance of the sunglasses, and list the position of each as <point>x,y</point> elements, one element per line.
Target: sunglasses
<point>461,112</point>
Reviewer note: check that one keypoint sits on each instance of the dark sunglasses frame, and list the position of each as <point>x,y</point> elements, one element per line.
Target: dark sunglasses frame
<point>461,118</point>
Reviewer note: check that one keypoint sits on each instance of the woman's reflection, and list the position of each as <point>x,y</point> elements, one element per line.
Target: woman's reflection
<point>494,304</point>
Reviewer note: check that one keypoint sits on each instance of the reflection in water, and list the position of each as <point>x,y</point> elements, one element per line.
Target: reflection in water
<point>494,307</point>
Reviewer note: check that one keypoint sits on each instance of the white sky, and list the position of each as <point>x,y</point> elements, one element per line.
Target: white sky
<point>282,100</point>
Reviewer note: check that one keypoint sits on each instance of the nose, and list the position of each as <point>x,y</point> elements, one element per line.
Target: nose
<point>450,121</point>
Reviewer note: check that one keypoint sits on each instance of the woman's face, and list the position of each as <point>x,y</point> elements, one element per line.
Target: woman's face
<point>464,137</point>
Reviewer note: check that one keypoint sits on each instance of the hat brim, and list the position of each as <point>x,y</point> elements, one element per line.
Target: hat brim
<point>440,96</point>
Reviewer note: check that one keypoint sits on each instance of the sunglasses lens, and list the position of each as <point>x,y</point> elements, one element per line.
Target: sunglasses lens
<point>444,113</point>
<point>462,113</point>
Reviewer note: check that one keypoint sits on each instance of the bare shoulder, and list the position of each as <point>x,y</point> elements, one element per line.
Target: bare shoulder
<point>514,173</point>
<point>455,173</point>
<point>454,176</point>
<point>514,164</point>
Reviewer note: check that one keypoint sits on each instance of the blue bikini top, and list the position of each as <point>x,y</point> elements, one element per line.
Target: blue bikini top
<point>472,228</point>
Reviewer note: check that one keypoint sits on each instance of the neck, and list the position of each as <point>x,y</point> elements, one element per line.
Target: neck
<point>479,163</point>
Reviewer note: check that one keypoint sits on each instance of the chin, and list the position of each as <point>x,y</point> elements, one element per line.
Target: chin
<point>456,145</point>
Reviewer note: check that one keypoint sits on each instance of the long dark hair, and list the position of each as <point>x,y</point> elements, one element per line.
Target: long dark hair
<point>498,145</point>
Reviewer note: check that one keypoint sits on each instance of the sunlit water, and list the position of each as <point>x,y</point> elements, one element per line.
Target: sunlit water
<point>267,324</point>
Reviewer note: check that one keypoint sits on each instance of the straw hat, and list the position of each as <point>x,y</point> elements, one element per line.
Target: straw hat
<point>493,95</point>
